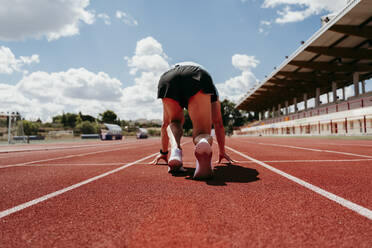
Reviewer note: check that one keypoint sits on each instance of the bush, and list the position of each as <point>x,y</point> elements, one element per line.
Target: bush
<point>87,127</point>
<point>154,132</point>
<point>30,128</point>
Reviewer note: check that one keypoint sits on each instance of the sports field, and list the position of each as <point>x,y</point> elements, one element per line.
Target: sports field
<point>281,192</point>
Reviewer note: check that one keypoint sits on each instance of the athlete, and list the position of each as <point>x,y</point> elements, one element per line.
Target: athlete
<point>189,86</point>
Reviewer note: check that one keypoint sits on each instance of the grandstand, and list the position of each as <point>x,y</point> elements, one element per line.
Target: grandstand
<point>306,95</point>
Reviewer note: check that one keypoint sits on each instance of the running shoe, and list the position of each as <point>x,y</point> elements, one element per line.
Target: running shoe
<point>175,161</point>
<point>203,154</point>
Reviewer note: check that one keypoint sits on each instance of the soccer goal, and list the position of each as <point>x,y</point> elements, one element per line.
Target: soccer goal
<point>11,128</point>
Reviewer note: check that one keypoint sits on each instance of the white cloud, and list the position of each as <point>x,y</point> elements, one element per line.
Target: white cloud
<point>148,63</point>
<point>79,84</point>
<point>264,27</point>
<point>43,95</point>
<point>288,15</point>
<point>24,19</point>
<point>106,19</point>
<point>244,62</point>
<point>305,8</point>
<point>9,63</point>
<point>149,56</point>
<point>235,88</point>
<point>126,18</point>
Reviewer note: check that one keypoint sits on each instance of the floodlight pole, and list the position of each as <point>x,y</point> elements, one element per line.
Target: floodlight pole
<point>9,126</point>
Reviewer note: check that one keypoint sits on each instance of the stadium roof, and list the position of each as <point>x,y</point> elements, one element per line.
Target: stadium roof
<point>337,50</point>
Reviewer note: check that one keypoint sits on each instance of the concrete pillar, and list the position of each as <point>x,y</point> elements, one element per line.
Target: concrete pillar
<point>305,100</point>
<point>343,94</point>
<point>279,109</point>
<point>286,107</point>
<point>295,104</point>
<point>356,83</point>
<point>260,116</point>
<point>327,97</point>
<point>317,97</point>
<point>334,91</point>
<point>273,112</point>
<point>363,87</point>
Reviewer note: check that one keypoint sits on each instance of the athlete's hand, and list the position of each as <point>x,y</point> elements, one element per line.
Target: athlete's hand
<point>225,156</point>
<point>158,158</point>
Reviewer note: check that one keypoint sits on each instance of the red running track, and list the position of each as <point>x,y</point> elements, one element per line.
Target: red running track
<point>281,192</point>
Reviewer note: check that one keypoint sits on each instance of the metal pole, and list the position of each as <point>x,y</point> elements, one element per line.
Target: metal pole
<point>365,124</point>
<point>9,126</point>
<point>345,124</point>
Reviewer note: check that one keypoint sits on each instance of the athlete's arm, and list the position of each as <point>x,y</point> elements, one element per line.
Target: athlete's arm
<point>164,139</point>
<point>164,134</point>
<point>220,131</point>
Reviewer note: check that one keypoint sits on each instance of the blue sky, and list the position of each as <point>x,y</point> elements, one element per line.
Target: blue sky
<point>89,56</point>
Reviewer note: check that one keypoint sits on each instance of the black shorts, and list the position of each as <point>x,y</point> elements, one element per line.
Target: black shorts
<point>182,82</point>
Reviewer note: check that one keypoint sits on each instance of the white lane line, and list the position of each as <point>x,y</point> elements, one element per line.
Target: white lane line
<point>341,144</point>
<point>59,192</point>
<point>193,163</point>
<point>317,150</point>
<point>348,204</point>
<point>25,153</point>
<point>237,161</point>
<point>69,164</point>
<point>294,147</point>
<point>46,148</point>
<point>69,156</point>
<point>310,161</point>
<point>58,158</point>
<point>49,147</point>
<point>347,153</point>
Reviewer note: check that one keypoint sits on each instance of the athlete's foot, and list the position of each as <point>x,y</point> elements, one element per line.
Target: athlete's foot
<point>175,161</point>
<point>203,154</point>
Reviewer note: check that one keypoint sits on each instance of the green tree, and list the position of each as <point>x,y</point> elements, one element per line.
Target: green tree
<point>87,117</point>
<point>108,116</point>
<point>230,115</point>
<point>30,128</point>
<point>68,120</point>
<point>79,120</point>
<point>87,127</point>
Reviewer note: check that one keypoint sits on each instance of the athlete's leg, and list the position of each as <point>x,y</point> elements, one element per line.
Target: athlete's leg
<point>200,111</point>
<point>176,120</point>
<point>199,107</point>
<point>174,131</point>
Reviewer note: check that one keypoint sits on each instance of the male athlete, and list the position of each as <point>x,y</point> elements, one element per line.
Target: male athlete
<point>188,85</point>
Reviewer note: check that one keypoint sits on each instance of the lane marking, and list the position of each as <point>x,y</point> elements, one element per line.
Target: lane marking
<point>5,153</point>
<point>317,150</point>
<point>69,164</point>
<point>64,190</point>
<point>46,148</point>
<point>340,144</point>
<point>69,156</point>
<point>294,147</point>
<point>310,161</point>
<point>347,204</point>
<point>27,153</point>
<point>193,163</point>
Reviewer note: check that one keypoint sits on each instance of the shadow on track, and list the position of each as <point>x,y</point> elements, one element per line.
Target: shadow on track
<point>223,174</point>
